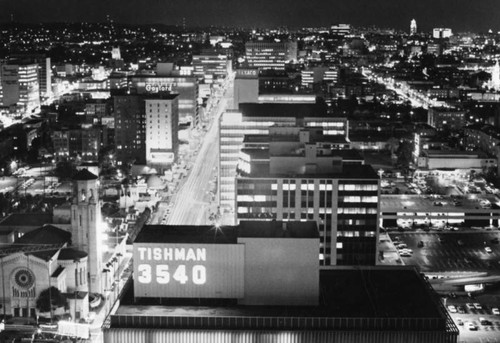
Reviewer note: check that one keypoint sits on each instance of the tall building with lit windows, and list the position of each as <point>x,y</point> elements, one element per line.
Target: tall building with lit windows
<point>20,85</point>
<point>413,27</point>
<point>211,66</point>
<point>130,129</point>
<point>162,119</point>
<point>185,86</point>
<point>299,177</point>
<point>270,55</point>
<point>256,119</point>
<point>146,128</point>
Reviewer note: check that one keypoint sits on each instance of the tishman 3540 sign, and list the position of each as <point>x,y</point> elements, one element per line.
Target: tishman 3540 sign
<point>188,270</point>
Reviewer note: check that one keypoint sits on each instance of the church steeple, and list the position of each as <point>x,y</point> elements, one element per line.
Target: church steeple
<point>85,217</point>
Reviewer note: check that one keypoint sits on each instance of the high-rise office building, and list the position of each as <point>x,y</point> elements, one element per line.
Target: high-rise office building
<point>303,176</point>
<point>130,129</point>
<point>257,119</point>
<point>20,85</point>
<point>115,53</point>
<point>441,32</point>
<point>211,66</point>
<point>261,282</point>
<point>413,27</point>
<point>146,128</point>
<point>270,55</point>
<point>44,71</point>
<point>185,86</point>
<point>162,120</point>
<point>246,87</point>
<point>340,29</point>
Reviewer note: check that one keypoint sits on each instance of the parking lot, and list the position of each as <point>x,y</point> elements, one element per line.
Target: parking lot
<point>452,251</point>
<point>484,333</point>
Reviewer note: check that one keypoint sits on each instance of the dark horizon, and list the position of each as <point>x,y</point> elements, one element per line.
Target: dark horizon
<point>459,15</point>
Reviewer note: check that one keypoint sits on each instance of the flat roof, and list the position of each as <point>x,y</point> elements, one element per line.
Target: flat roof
<point>454,154</point>
<point>293,138</point>
<point>349,171</point>
<point>227,234</point>
<point>27,219</point>
<point>377,292</point>
<point>283,110</point>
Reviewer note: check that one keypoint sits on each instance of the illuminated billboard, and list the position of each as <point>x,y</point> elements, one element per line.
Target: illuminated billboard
<point>189,270</point>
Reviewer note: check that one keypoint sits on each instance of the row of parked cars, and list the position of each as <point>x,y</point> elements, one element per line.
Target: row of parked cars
<point>471,307</point>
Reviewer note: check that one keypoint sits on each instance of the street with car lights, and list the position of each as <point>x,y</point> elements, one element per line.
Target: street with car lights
<point>193,202</point>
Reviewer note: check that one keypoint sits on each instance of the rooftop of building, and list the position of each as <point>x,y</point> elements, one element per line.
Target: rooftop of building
<point>26,219</point>
<point>370,136</point>
<point>443,109</point>
<point>76,295</point>
<point>293,138</point>
<point>263,153</point>
<point>488,129</point>
<point>33,242</point>
<point>454,154</point>
<point>225,234</point>
<point>154,76</point>
<point>349,171</point>
<point>84,175</point>
<point>71,254</point>
<point>283,110</point>
<point>396,296</point>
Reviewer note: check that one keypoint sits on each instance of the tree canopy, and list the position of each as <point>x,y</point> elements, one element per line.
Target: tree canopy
<point>50,296</point>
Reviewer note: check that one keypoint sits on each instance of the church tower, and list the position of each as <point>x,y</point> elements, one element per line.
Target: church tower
<point>85,216</point>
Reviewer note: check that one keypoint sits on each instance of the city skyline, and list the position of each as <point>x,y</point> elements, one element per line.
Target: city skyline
<point>460,15</point>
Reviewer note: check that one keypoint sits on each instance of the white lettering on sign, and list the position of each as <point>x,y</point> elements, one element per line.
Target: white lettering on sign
<point>246,72</point>
<point>155,88</point>
<point>181,275</point>
<point>172,254</point>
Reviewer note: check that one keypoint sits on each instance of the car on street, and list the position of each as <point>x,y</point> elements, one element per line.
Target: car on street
<point>460,322</point>
<point>471,327</point>
<point>452,309</point>
<point>420,244</point>
<point>484,321</point>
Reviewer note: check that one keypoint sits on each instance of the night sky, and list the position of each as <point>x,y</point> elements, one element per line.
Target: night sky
<point>460,15</point>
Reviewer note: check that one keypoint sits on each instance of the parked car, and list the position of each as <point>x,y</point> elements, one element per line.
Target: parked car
<point>484,321</point>
<point>471,326</point>
<point>478,306</point>
<point>452,309</point>
<point>495,311</point>
<point>488,250</point>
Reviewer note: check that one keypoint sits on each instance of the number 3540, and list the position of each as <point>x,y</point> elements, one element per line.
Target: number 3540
<point>162,274</point>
